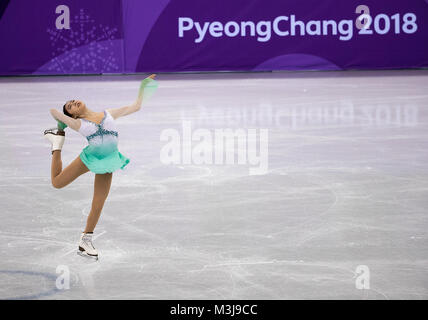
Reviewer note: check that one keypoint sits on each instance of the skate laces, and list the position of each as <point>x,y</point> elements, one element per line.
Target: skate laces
<point>88,240</point>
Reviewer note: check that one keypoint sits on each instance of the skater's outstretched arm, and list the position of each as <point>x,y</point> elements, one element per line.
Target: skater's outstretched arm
<point>123,111</point>
<point>69,121</point>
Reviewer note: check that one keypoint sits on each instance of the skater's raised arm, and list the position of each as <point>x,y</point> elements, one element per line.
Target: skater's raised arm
<point>69,121</point>
<point>123,111</point>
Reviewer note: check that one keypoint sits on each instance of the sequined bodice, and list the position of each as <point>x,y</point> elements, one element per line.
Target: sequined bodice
<point>98,134</point>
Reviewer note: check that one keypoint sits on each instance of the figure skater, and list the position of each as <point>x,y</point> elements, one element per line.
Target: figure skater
<point>101,156</point>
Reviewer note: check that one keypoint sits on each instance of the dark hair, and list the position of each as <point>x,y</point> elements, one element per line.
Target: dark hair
<point>65,111</point>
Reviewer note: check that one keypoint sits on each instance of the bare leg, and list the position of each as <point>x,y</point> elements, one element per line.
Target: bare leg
<point>60,178</point>
<point>101,189</point>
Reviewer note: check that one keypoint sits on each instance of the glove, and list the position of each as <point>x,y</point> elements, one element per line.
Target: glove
<point>61,125</point>
<point>147,88</point>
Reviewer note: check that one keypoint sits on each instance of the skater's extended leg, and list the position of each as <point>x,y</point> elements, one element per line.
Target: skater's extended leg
<point>60,178</point>
<point>56,166</point>
<point>101,190</point>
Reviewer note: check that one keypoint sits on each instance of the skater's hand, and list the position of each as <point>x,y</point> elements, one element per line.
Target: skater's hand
<point>143,85</point>
<point>61,125</point>
<point>145,82</point>
<point>148,85</point>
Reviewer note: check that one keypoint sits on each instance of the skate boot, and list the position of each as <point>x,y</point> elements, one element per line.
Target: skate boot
<point>86,248</point>
<point>56,137</point>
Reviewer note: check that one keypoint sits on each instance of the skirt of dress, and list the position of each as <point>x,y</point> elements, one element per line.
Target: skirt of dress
<point>103,160</point>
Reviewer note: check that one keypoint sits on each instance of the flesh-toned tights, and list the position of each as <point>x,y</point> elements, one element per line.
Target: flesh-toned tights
<point>61,178</point>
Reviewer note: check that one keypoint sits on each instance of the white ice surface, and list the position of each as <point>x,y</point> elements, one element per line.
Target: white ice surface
<point>347,186</point>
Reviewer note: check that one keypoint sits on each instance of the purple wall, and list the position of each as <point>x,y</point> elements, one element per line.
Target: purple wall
<point>113,36</point>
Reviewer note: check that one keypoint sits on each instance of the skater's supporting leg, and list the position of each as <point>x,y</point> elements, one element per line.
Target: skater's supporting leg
<point>101,189</point>
<point>60,178</point>
<point>86,247</point>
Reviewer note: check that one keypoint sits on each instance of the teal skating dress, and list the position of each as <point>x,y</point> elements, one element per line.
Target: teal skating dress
<point>102,155</point>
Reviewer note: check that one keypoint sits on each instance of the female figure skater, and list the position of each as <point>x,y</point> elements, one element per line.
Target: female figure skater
<point>101,156</point>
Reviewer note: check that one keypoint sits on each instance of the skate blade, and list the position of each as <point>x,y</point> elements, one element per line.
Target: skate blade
<point>54,131</point>
<point>87,256</point>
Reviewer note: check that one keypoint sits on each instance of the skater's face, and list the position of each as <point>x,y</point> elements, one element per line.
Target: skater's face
<point>75,107</point>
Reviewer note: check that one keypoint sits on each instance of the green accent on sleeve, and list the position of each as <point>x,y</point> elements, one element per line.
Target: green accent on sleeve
<point>148,88</point>
<point>61,125</point>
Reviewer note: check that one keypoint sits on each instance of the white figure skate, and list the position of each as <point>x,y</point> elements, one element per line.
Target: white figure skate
<point>56,138</point>
<point>86,248</point>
